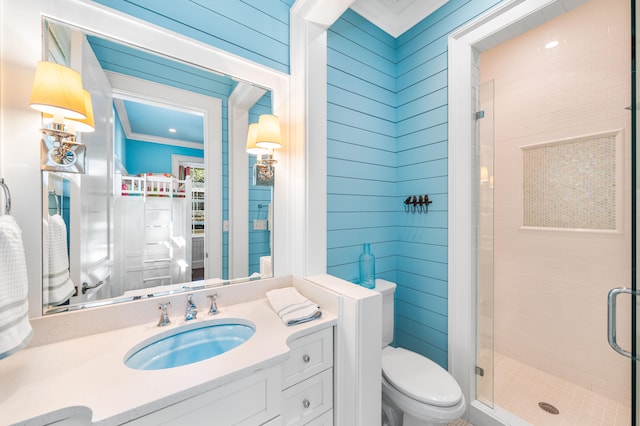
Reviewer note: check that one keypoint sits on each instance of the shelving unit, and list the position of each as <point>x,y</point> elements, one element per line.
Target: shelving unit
<point>158,250</point>
<point>197,209</point>
<point>153,229</point>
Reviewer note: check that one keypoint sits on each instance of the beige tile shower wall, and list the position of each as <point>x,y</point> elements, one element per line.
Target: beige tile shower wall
<point>551,286</point>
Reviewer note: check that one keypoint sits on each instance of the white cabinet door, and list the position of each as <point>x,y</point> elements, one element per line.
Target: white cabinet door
<point>248,401</point>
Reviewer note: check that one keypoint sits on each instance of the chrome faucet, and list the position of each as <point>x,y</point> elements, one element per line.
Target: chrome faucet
<point>213,309</point>
<point>192,310</point>
<point>164,316</point>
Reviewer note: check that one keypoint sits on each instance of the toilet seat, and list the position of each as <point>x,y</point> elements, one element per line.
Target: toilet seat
<point>419,378</point>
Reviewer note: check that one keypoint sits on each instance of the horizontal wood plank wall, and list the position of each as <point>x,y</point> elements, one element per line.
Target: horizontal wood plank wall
<point>421,298</point>
<point>361,134</point>
<point>259,197</point>
<point>257,30</point>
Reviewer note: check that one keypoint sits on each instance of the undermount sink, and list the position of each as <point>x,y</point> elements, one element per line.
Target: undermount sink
<point>188,344</point>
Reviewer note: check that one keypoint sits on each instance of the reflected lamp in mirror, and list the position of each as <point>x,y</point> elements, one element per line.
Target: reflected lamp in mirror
<point>57,92</point>
<point>263,138</point>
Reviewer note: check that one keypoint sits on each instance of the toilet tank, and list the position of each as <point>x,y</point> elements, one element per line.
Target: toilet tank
<point>387,289</point>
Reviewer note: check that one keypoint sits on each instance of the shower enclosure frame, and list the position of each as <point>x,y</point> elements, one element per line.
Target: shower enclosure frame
<point>505,21</point>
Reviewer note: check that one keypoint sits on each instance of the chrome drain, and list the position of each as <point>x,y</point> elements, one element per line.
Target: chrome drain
<point>548,408</point>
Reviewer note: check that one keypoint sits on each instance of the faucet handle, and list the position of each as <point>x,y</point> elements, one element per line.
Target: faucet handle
<point>192,310</point>
<point>164,316</point>
<point>213,309</point>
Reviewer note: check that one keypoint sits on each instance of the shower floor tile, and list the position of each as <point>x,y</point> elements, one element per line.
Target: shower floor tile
<point>519,388</point>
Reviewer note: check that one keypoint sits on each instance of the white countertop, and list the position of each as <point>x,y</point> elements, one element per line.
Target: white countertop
<point>49,382</point>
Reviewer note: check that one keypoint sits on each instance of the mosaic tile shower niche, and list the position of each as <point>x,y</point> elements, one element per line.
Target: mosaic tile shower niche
<point>571,184</point>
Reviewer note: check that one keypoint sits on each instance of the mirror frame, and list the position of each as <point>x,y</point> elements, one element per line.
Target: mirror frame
<point>19,60</point>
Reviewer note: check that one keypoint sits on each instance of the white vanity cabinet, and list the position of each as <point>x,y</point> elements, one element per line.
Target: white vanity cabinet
<point>307,381</point>
<point>296,392</point>
<point>248,401</point>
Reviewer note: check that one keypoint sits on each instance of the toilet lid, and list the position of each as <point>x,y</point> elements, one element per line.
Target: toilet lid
<point>419,378</point>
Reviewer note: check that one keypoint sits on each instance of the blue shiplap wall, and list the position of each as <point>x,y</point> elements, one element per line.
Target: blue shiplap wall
<point>387,139</point>
<point>257,30</point>
<point>421,299</point>
<point>149,157</point>
<point>361,134</point>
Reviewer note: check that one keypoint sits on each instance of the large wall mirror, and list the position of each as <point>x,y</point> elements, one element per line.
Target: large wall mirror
<point>165,197</point>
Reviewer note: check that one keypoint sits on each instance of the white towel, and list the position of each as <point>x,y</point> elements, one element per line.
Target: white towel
<point>292,307</point>
<point>58,285</point>
<point>15,330</point>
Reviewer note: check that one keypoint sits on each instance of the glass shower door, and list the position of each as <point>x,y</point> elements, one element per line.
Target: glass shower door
<point>632,292</point>
<point>635,374</point>
<point>485,272</point>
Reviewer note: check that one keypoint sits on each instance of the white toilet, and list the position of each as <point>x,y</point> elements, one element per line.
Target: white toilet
<point>415,390</point>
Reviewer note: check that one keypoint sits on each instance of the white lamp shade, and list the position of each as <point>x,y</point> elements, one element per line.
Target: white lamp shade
<point>269,132</point>
<point>81,125</point>
<point>252,148</point>
<point>57,90</point>
<point>84,125</point>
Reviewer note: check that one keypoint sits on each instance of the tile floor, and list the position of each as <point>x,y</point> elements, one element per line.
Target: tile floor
<point>460,422</point>
<point>519,388</point>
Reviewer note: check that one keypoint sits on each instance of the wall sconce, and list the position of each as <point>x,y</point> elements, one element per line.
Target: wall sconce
<point>57,92</point>
<point>262,138</point>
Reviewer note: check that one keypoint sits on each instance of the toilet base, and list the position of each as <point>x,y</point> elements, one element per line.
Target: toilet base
<point>413,413</point>
<point>393,416</point>
<point>412,421</point>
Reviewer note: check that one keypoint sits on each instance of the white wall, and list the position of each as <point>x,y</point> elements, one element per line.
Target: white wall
<point>551,286</point>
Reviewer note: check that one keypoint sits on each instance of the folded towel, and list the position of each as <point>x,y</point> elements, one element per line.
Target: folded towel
<point>15,330</point>
<point>292,307</point>
<point>58,285</point>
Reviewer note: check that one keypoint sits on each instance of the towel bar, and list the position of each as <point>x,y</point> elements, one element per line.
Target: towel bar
<point>7,197</point>
<point>55,197</point>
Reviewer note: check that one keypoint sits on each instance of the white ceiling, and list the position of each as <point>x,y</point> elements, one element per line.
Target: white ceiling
<point>396,16</point>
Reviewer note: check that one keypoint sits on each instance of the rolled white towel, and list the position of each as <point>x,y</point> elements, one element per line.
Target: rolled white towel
<point>292,307</point>
<point>15,329</point>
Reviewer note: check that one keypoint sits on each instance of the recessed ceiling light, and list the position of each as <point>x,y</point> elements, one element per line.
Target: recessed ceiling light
<point>172,130</point>
<point>551,44</point>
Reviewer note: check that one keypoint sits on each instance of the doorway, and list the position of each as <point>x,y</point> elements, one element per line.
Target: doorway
<point>542,279</point>
<point>194,168</point>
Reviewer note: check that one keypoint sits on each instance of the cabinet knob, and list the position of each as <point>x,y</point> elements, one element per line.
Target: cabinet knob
<point>306,358</point>
<point>306,403</point>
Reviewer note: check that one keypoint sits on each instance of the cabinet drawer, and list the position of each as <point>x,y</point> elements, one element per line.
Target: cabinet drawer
<point>247,401</point>
<point>325,419</point>
<point>273,422</point>
<point>309,355</point>
<point>307,400</point>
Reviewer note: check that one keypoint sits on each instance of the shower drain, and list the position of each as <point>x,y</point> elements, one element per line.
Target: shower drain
<point>548,408</point>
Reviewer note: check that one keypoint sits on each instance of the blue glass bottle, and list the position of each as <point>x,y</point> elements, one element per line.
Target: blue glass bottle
<point>367,268</point>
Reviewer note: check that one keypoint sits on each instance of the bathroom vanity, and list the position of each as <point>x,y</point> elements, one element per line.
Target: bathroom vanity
<point>298,391</point>
<point>282,375</point>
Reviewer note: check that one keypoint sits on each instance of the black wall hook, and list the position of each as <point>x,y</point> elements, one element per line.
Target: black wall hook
<point>417,203</point>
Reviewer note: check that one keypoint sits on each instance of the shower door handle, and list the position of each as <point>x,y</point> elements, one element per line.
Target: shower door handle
<point>611,323</point>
